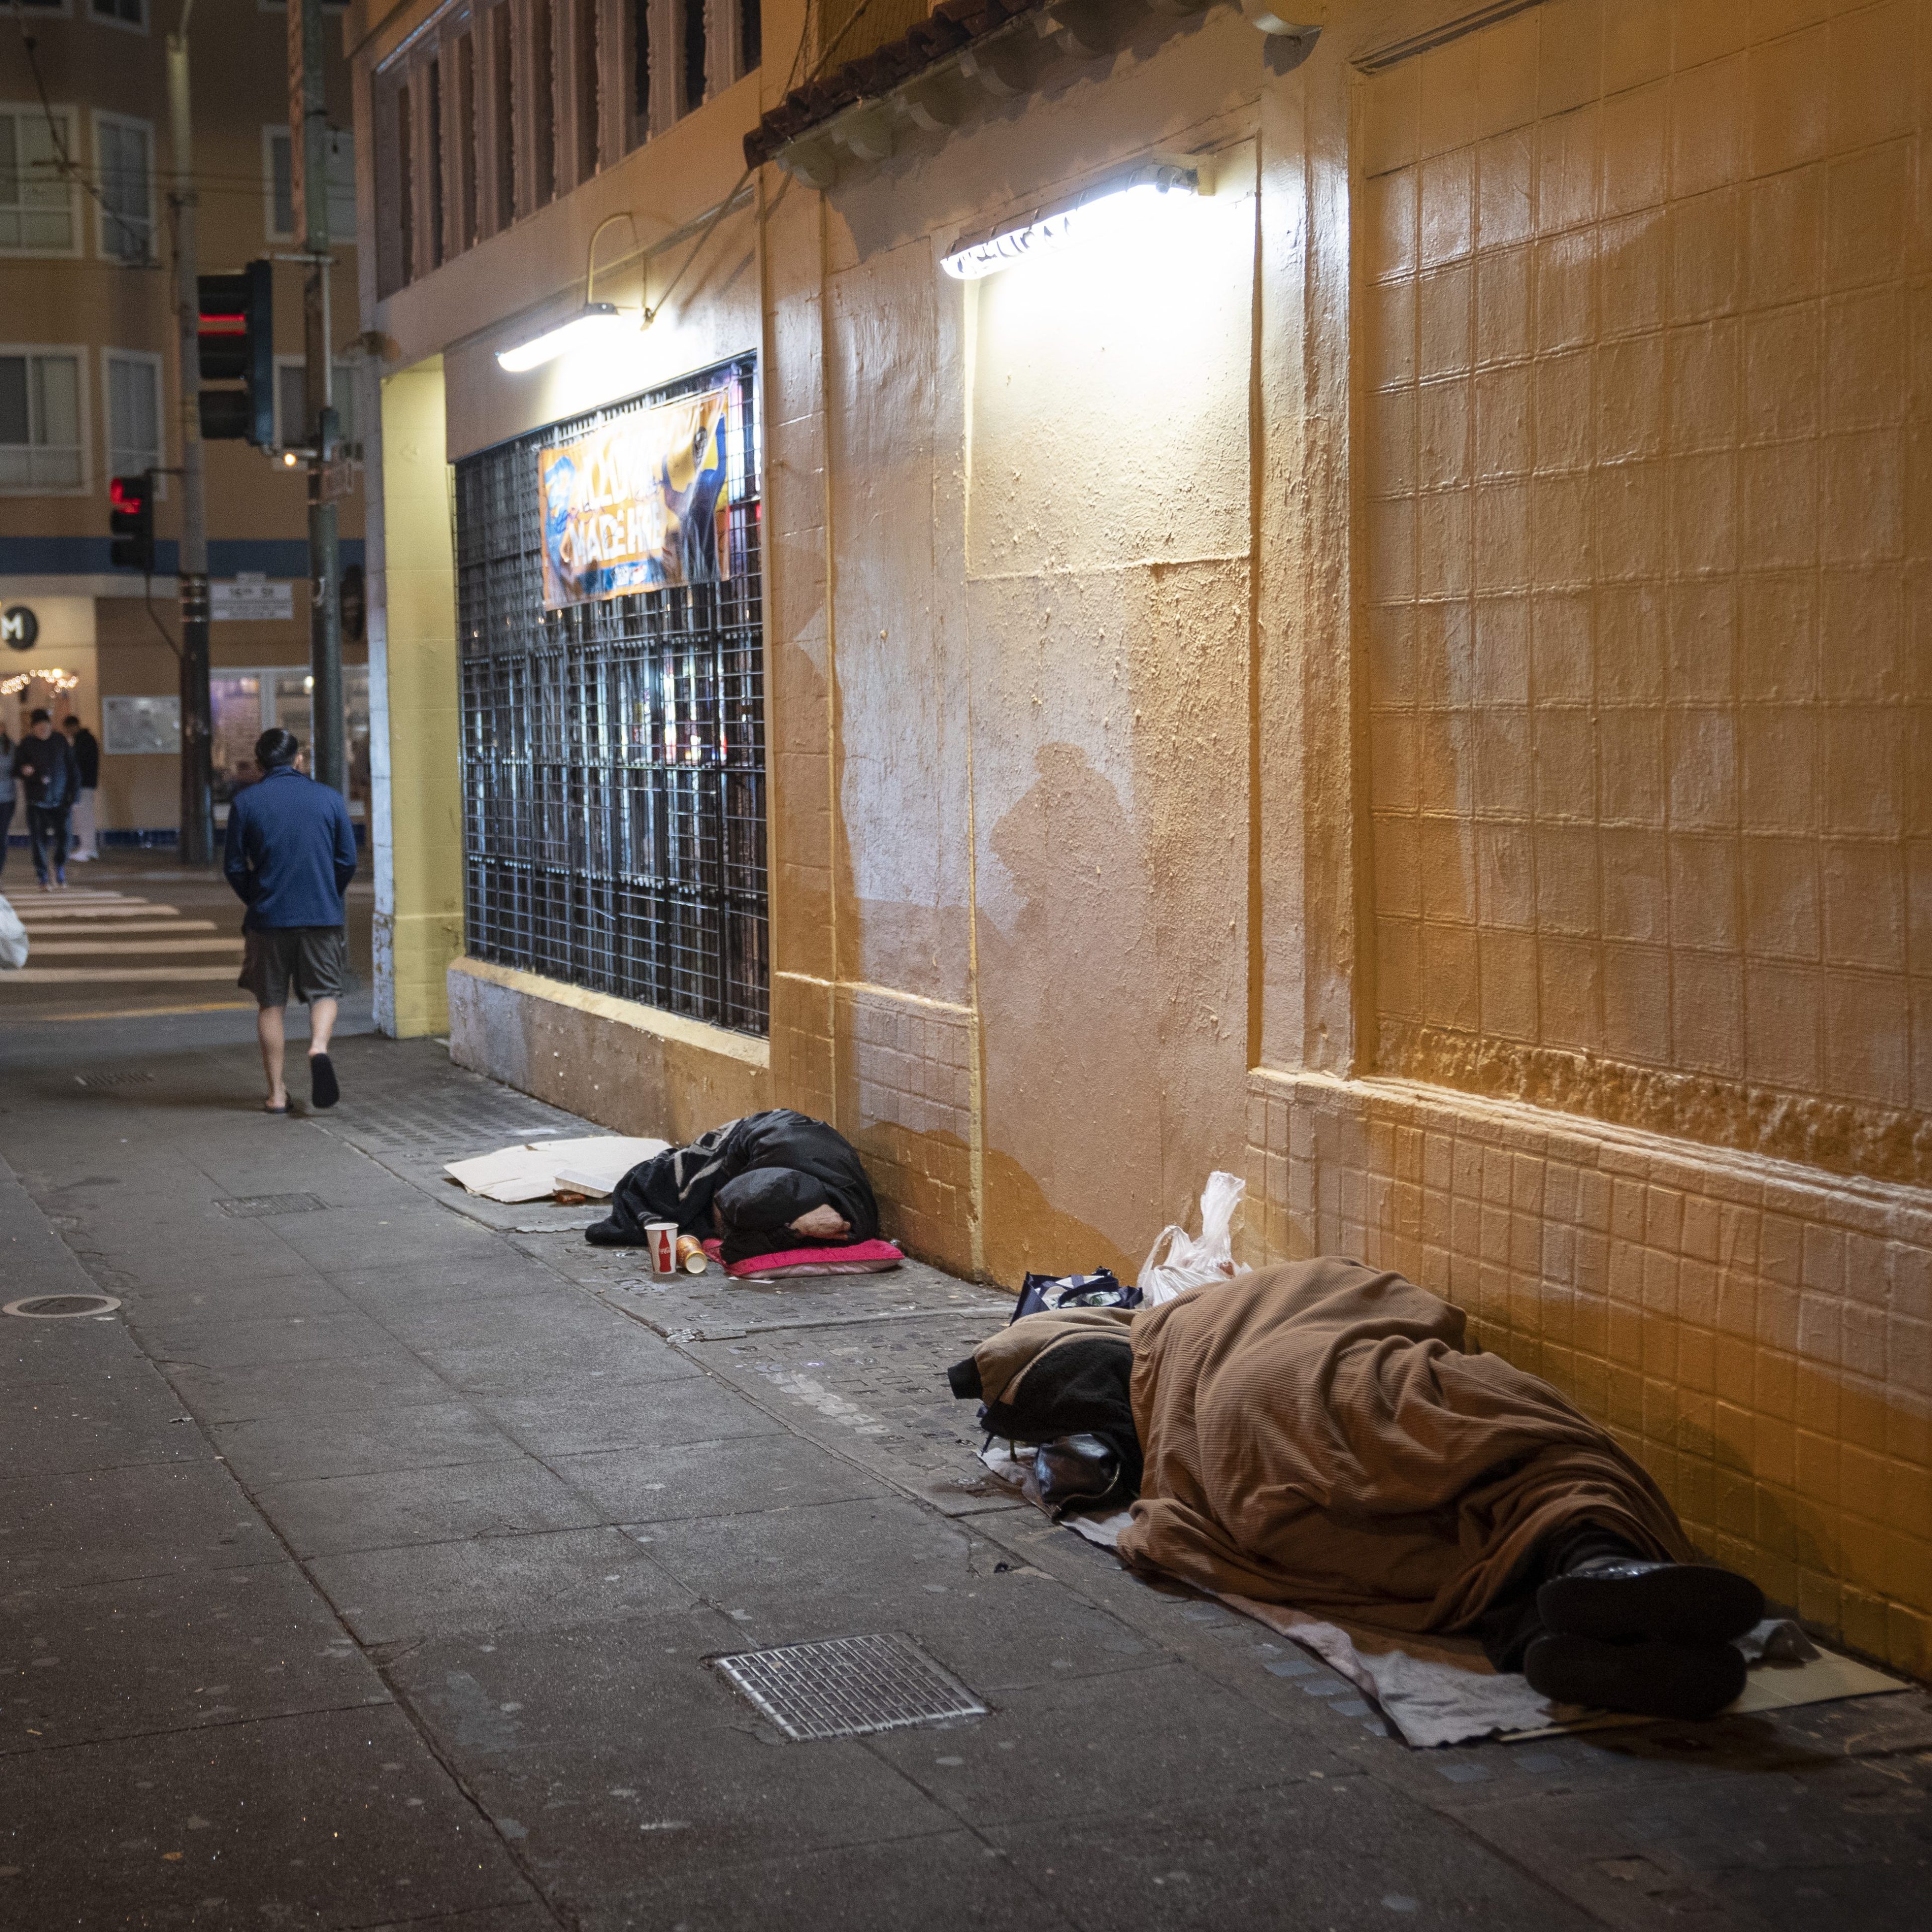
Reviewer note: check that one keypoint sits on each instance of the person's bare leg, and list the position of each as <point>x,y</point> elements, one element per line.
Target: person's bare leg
<point>321,1024</point>
<point>270,1030</point>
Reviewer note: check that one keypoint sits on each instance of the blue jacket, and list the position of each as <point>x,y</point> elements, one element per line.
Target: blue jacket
<point>291,851</point>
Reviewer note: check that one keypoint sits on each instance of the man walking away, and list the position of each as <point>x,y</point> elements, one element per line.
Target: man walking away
<point>87,759</point>
<point>44,764</point>
<point>291,854</point>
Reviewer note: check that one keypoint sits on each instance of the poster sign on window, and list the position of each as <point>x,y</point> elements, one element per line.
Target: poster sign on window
<point>638,504</point>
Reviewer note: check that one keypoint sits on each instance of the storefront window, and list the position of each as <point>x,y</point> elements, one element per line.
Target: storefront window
<point>247,703</point>
<point>613,753</point>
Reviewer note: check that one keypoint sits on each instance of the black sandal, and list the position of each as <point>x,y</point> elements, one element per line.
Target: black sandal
<point>323,1091</point>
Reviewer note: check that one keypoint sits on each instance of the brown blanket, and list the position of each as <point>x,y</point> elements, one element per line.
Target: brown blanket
<point>1315,1436</point>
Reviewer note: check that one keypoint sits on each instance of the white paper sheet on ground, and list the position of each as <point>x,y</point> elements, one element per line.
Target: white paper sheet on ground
<point>530,1172</point>
<point>1443,1689</point>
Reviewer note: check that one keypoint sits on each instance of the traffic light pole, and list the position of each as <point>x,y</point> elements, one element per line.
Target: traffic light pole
<point>197,845</point>
<point>309,146</point>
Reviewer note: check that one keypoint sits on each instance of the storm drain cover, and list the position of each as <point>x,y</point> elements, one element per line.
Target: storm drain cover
<point>848,1685</point>
<point>251,1205</point>
<point>113,1079</point>
<point>55,1307</point>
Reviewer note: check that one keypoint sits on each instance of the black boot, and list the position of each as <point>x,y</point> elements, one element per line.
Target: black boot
<point>1651,1679</point>
<point>1618,1599</point>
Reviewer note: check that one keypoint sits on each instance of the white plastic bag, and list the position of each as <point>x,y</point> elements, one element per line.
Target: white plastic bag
<point>1191,1263</point>
<point>13,938</point>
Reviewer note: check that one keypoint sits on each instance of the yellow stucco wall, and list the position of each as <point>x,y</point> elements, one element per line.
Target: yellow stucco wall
<point>1226,710</point>
<point>419,901</point>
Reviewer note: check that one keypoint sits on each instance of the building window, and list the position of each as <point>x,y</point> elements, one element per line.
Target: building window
<point>751,36</point>
<point>123,152</point>
<point>41,430</point>
<point>639,16</point>
<point>543,102</point>
<point>465,143</point>
<point>614,758</point>
<point>278,183</point>
<point>122,13</point>
<point>432,161</point>
<point>133,413</point>
<point>509,131</point>
<point>589,90</point>
<point>36,191</point>
<point>694,49</point>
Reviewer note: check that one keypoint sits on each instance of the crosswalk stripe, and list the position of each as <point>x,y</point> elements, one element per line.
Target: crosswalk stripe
<point>49,976</point>
<point>62,928</point>
<point>48,908</point>
<point>66,948</point>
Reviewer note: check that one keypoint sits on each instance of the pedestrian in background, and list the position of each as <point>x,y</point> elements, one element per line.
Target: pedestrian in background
<point>9,792</point>
<point>290,855</point>
<point>87,757</point>
<point>44,764</point>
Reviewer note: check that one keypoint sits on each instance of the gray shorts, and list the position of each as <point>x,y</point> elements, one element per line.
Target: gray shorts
<point>310,962</point>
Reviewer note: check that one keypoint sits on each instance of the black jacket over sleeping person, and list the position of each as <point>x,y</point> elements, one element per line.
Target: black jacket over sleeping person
<point>759,1175</point>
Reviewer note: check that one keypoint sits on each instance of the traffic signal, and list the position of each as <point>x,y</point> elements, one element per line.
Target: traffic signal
<point>131,517</point>
<point>237,337</point>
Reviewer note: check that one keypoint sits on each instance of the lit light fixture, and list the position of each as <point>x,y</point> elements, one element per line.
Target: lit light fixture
<point>288,459</point>
<point>593,323</point>
<point>58,681</point>
<point>1117,206</point>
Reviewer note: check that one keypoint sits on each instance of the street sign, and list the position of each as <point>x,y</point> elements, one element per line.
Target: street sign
<point>228,603</point>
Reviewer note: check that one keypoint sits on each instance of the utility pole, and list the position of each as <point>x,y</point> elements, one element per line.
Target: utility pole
<point>308,145</point>
<point>197,845</point>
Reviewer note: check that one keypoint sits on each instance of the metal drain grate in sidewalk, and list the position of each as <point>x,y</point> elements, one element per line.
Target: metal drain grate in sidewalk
<point>251,1205</point>
<point>847,1686</point>
<point>60,1307</point>
<point>123,1079</point>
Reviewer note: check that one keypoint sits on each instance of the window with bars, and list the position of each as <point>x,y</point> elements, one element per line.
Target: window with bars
<point>614,751</point>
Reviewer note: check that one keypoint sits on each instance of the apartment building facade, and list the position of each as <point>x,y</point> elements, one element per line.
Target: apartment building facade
<point>89,385</point>
<point>1394,661</point>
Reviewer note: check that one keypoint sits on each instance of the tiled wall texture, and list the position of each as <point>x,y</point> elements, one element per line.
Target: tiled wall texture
<point>1758,1335</point>
<point>1644,339</point>
<point>905,1089</point>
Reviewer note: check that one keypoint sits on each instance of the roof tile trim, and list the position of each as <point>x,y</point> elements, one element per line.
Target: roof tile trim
<point>954,24</point>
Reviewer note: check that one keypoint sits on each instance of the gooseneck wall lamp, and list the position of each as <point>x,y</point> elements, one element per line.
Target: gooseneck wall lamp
<point>594,323</point>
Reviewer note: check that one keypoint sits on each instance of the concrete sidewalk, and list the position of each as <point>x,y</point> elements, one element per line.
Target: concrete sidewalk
<point>361,1569</point>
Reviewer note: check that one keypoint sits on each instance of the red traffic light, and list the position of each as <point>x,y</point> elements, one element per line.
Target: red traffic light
<point>130,504</point>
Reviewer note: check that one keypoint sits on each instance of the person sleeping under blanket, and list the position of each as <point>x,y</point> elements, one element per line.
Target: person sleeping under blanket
<point>1317,1435</point>
<point>768,1182</point>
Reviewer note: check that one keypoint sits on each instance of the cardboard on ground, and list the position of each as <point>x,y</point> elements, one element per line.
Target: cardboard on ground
<point>537,1169</point>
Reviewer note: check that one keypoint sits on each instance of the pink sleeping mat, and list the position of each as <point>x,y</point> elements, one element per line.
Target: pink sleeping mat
<point>857,1257</point>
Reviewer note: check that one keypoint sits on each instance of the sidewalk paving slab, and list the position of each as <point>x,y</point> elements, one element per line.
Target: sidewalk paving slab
<point>505,1495</point>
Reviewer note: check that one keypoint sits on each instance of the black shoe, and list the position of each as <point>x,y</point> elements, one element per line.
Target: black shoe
<point>1619,1598</point>
<point>609,1233</point>
<point>1653,1680</point>
<point>323,1091</point>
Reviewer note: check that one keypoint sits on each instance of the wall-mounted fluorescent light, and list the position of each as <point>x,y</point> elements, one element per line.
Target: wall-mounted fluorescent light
<point>1115,205</point>
<point>595,321</point>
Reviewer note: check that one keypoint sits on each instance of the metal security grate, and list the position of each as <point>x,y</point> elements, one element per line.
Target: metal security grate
<point>848,1685</point>
<point>112,1079</point>
<point>250,1206</point>
<point>613,752</point>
